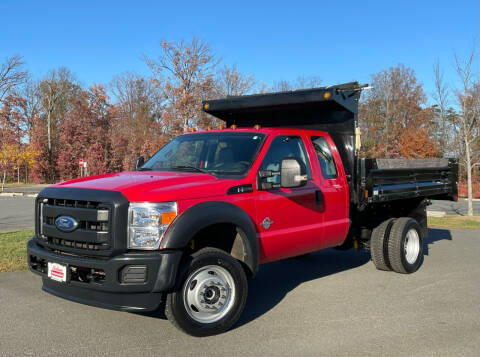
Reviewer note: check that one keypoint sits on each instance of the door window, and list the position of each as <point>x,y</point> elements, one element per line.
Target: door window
<point>282,147</point>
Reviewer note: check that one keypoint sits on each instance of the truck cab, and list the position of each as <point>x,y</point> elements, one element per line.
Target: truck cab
<point>190,225</point>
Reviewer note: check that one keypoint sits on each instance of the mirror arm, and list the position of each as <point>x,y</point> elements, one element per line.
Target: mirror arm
<point>139,162</point>
<point>267,173</point>
<point>268,185</point>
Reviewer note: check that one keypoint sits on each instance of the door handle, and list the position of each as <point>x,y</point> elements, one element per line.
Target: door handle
<point>319,198</point>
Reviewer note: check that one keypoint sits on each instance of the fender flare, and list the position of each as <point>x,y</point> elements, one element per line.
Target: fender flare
<point>205,214</point>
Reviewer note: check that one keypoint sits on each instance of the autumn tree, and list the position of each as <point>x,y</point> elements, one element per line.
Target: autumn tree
<point>31,109</point>
<point>8,155</point>
<point>12,133</point>
<point>27,158</point>
<point>140,127</point>
<point>7,147</point>
<point>186,71</point>
<point>392,116</point>
<point>56,92</point>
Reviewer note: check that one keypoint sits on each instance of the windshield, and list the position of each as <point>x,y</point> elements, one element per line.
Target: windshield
<point>213,153</point>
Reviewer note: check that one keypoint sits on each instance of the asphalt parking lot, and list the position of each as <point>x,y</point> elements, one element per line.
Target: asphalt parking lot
<point>330,303</point>
<point>451,207</point>
<point>16,213</point>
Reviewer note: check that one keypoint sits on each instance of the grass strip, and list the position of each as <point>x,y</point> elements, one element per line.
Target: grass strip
<point>13,250</point>
<point>455,221</point>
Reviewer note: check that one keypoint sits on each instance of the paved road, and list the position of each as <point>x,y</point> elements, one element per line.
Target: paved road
<point>329,304</point>
<point>16,213</point>
<point>25,189</point>
<point>451,207</point>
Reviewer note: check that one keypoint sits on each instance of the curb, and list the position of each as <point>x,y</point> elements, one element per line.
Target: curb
<point>439,214</point>
<point>17,194</point>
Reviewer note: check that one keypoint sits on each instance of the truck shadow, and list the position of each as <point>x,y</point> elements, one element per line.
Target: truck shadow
<point>434,235</point>
<point>275,280</point>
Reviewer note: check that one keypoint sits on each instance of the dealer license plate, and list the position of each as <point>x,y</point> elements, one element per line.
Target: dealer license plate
<point>57,272</point>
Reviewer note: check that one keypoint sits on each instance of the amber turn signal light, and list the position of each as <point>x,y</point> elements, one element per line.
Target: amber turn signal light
<point>168,217</point>
<point>327,95</point>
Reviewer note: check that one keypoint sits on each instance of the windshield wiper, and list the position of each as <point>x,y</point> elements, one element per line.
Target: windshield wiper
<point>190,168</point>
<point>144,169</point>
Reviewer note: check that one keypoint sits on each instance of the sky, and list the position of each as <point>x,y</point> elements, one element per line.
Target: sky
<point>337,41</point>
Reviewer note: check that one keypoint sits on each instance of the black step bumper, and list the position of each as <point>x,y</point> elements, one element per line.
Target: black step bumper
<point>114,291</point>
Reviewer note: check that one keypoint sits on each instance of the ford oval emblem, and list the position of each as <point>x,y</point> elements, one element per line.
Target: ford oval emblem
<point>66,223</point>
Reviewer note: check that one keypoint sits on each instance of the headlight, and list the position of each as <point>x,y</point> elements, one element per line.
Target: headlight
<point>147,222</point>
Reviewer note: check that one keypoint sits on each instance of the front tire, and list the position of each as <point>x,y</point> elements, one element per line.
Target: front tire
<point>405,246</point>
<point>212,295</point>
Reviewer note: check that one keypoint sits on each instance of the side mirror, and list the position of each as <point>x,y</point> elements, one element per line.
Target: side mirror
<point>139,162</point>
<point>292,173</point>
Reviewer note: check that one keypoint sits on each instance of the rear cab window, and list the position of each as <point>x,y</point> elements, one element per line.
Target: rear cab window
<point>325,157</point>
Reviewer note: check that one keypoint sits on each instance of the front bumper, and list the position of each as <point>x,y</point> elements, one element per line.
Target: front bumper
<point>111,292</point>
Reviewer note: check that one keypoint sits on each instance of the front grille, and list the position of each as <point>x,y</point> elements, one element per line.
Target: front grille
<point>72,203</point>
<point>92,234</point>
<point>76,244</point>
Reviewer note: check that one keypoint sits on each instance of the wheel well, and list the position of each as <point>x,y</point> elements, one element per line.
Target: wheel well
<point>365,221</point>
<point>224,236</point>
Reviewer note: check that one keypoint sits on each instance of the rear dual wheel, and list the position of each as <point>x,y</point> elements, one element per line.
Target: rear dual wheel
<point>405,246</point>
<point>396,244</point>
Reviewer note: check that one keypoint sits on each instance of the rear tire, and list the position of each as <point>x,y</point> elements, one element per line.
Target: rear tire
<point>379,245</point>
<point>405,246</point>
<point>212,295</point>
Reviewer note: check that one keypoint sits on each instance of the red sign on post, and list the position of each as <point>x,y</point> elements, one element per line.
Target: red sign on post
<point>80,163</point>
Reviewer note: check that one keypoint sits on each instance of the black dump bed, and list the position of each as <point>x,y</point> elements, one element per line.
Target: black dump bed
<point>334,109</point>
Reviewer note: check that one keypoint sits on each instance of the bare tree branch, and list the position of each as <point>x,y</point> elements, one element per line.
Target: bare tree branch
<point>11,75</point>
<point>230,82</point>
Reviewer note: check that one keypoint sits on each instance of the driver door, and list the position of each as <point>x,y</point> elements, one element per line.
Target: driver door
<point>290,220</point>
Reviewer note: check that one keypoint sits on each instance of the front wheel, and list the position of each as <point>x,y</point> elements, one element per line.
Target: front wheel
<point>212,295</point>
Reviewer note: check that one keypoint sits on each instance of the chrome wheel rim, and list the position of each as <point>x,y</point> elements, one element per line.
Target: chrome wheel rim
<point>412,246</point>
<point>209,294</point>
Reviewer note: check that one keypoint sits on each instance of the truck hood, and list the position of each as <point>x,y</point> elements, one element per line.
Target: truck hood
<point>155,186</point>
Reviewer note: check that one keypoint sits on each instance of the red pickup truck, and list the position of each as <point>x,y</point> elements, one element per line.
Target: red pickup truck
<point>190,225</point>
